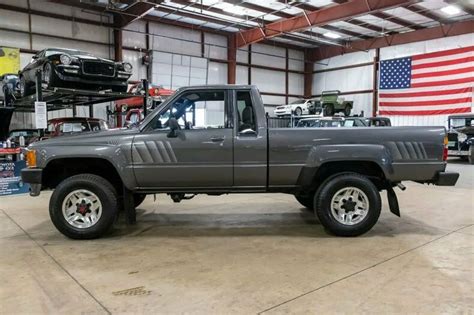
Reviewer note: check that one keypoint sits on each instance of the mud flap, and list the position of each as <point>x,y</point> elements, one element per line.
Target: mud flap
<point>128,207</point>
<point>393,201</point>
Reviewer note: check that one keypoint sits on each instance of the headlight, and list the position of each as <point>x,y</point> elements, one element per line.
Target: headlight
<point>65,59</point>
<point>462,137</point>
<point>127,67</point>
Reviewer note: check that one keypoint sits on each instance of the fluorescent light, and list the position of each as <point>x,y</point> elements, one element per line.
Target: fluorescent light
<point>332,35</point>
<point>451,10</point>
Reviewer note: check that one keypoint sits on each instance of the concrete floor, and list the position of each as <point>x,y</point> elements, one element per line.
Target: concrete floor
<point>245,254</point>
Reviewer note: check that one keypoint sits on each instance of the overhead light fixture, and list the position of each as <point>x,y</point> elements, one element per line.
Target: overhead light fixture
<point>332,35</point>
<point>451,10</point>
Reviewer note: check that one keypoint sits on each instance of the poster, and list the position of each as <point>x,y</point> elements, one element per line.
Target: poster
<point>41,115</point>
<point>10,180</point>
<point>9,60</point>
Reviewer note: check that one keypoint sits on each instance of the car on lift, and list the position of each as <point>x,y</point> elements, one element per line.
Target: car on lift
<point>70,68</point>
<point>332,102</point>
<point>324,122</point>
<point>72,125</point>
<point>378,121</point>
<point>296,108</point>
<point>461,136</point>
<point>9,88</point>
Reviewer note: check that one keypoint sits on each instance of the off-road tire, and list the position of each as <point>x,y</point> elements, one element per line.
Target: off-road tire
<point>325,193</point>
<point>306,201</point>
<point>138,199</point>
<point>347,110</point>
<point>329,110</point>
<point>107,195</point>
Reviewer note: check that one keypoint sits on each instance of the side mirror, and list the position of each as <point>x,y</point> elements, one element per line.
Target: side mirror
<point>34,57</point>
<point>174,127</point>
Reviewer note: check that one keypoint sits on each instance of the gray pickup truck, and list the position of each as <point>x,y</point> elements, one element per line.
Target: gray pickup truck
<point>215,140</point>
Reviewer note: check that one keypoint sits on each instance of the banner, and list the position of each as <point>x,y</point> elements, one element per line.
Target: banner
<point>9,60</point>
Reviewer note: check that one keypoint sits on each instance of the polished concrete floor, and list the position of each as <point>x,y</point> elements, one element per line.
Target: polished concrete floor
<point>245,254</point>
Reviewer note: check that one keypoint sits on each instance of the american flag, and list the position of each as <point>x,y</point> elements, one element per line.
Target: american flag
<point>436,83</point>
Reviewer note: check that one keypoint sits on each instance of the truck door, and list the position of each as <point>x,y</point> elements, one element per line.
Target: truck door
<point>198,155</point>
<point>250,140</point>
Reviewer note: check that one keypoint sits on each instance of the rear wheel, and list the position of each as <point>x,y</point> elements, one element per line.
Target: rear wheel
<point>25,88</point>
<point>348,204</point>
<point>84,206</point>
<point>329,110</point>
<point>470,157</point>
<point>298,111</point>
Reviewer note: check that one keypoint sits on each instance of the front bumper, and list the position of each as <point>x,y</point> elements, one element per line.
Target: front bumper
<point>280,112</point>
<point>446,178</point>
<point>458,153</point>
<point>32,176</point>
<point>64,74</point>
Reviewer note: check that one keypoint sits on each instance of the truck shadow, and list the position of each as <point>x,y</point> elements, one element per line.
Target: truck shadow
<point>293,224</point>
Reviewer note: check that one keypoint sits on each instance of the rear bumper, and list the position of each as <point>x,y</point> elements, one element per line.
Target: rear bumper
<point>32,176</point>
<point>446,179</point>
<point>457,153</point>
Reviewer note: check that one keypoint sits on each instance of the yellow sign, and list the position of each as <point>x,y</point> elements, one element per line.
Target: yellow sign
<point>9,60</point>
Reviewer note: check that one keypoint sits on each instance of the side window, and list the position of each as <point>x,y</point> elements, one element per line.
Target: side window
<point>195,110</point>
<point>245,112</point>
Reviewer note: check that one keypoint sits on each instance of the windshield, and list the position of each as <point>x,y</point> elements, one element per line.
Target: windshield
<point>308,123</point>
<point>331,123</point>
<point>24,133</point>
<point>297,102</point>
<point>461,122</point>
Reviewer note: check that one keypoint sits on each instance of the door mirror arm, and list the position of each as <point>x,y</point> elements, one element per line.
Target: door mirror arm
<point>174,127</point>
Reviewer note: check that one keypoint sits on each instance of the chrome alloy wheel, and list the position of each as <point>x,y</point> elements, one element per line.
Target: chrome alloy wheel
<point>349,205</point>
<point>82,209</point>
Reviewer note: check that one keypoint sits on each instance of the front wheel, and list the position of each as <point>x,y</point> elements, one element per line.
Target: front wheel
<point>470,157</point>
<point>25,88</point>
<point>329,110</point>
<point>348,204</point>
<point>347,110</point>
<point>84,206</point>
<point>298,111</point>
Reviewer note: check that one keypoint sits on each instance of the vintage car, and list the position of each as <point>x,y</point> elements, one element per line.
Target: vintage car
<point>378,121</point>
<point>461,136</point>
<point>73,68</point>
<point>69,125</point>
<point>9,87</point>
<point>296,108</point>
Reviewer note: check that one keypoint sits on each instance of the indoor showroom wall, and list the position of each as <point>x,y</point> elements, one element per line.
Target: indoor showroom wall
<point>361,78</point>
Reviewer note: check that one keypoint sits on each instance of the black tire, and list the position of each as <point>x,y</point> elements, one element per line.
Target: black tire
<point>105,192</point>
<point>138,199</point>
<point>470,157</point>
<point>25,88</point>
<point>298,111</point>
<point>347,110</point>
<point>306,201</point>
<point>49,76</point>
<point>329,110</point>
<point>327,190</point>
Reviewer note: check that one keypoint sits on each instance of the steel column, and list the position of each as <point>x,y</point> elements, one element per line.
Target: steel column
<point>231,59</point>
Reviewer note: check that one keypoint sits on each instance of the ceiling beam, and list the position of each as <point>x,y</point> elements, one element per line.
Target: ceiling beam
<point>446,30</point>
<point>396,20</point>
<point>426,13</point>
<point>133,12</point>
<point>320,17</point>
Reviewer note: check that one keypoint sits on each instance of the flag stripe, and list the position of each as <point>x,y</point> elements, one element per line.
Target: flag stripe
<point>442,83</point>
<point>429,103</point>
<point>426,112</point>
<point>427,89</point>
<point>438,59</point>
<point>426,93</point>
<point>426,98</point>
<point>443,78</point>
<point>407,107</point>
<point>444,53</point>
<point>443,63</point>
<point>442,73</point>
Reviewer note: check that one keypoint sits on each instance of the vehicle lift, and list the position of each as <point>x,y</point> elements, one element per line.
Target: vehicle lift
<point>64,98</point>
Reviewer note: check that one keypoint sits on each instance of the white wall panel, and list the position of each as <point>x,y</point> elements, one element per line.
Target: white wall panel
<point>216,46</point>
<point>362,102</point>
<point>268,80</point>
<point>48,6</point>
<point>25,59</point>
<point>423,47</point>
<point>16,3</point>
<point>13,20</point>
<point>267,55</point>
<point>272,100</point>
<point>296,83</point>
<point>296,61</point>
<point>42,42</point>
<point>134,58</point>
<point>241,75</point>
<point>217,73</point>
<point>359,78</point>
<point>345,60</point>
<point>175,45</point>
<point>133,35</point>
<point>14,39</point>
<point>243,54</point>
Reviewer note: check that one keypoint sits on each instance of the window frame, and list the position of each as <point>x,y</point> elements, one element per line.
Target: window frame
<point>236,111</point>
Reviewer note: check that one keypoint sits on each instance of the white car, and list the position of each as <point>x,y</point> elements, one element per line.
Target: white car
<point>297,108</point>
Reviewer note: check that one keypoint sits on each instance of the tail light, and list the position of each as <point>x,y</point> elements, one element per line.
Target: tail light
<point>445,148</point>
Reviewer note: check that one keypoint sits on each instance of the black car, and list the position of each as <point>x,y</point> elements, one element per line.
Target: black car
<point>73,68</point>
<point>461,136</point>
<point>9,86</point>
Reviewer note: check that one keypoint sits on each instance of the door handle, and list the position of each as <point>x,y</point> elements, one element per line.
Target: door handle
<point>218,139</point>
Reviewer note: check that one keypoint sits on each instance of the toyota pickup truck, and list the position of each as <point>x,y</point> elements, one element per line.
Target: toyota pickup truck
<point>215,140</point>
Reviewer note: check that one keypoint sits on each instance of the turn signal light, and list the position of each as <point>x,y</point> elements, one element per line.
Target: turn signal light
<point>445,148</point>
<point>30,157</point>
